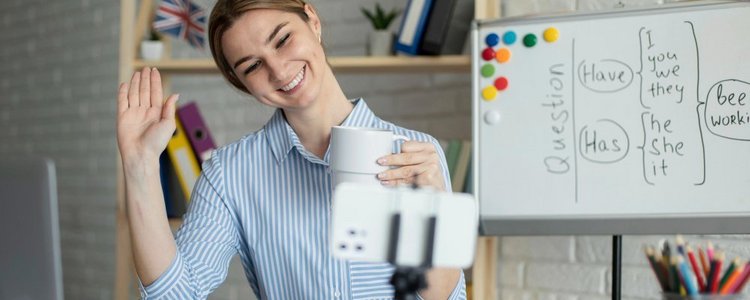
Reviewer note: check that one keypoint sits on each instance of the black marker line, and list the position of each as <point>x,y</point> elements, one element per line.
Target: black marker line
<point>698,98</point>
<point>640,73</point>
<point>643,148</point>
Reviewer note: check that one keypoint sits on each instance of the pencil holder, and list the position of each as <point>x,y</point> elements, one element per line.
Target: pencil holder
<point>673,296</point>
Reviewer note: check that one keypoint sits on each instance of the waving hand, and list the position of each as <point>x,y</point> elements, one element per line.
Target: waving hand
<point>144,123</point>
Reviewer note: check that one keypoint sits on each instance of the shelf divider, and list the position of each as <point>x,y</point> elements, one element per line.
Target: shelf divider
<point>344,64</point>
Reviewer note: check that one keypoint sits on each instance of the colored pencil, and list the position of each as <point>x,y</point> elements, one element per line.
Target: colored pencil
<point>656,268</point>
<point>735,263</point>
<point>730,284</point>
<point>696,269</point>
<point>687,277</point>
<point>664,270</point>
<point>680,242</point>
<point>742,280</point>
<point>704,262</point>
<point>674,276</point>
<point>666,251</point>
<point>716,272</point>
<point>692,270</point>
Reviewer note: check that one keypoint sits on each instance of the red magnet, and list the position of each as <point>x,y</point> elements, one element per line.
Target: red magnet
<point>501,83</point>
<point>488,54</point>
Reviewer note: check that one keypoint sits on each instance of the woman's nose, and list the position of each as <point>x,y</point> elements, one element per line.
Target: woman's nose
<point>277,71</point>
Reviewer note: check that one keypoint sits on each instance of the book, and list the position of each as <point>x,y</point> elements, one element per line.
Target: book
<point>451,156</point>
<point>443,145</point>
<point>183,159</point>
<point>164,172</point>
<point>462,166</point>
<point>174,199</point>
<point>436,30</point>
<point>469,184</point>
<point>457,39</point>
<point>177,199</point>
<point>196,130</point>
<point>412,26</point>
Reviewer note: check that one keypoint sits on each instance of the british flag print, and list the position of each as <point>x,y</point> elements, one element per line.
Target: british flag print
<point>182,19</point>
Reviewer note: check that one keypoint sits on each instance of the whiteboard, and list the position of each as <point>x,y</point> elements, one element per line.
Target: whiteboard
<point>629,122</point>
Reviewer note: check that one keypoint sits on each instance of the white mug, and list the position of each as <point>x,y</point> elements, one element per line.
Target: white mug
<point>354,152</point>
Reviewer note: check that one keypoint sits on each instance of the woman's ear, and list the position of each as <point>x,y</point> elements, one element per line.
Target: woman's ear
<point>313,20</point>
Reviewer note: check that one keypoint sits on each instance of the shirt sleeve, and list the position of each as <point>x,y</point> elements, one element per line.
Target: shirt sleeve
<point>459,291</point>
<point>206,242</point>
<point>443,164</point>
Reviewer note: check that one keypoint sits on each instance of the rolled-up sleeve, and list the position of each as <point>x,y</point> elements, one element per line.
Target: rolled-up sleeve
<point>206,242</point>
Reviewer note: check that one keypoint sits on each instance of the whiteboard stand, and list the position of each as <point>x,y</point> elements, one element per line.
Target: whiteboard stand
<point>616,266</point>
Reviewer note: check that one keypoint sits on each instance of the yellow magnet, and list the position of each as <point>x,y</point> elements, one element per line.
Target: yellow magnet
<point>551,34</point>
<point>489,93</point>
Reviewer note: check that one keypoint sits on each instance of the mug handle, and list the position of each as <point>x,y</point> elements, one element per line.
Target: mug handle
<point>398,137</point>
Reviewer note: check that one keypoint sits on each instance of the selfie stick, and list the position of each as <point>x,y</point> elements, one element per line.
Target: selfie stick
<point>407,281</point>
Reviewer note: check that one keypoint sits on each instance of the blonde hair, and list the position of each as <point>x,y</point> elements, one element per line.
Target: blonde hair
<point>223,16</point>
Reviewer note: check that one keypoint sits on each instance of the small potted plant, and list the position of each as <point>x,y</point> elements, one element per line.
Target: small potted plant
<point>152,48</point>
<point>380,41</point>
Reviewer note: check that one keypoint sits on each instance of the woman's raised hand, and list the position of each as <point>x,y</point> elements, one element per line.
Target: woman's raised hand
<point>144,123</point>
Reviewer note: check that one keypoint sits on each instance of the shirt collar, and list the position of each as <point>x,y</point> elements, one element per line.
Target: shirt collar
<point>282,138</point>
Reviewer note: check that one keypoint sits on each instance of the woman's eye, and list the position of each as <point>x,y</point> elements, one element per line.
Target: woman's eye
<point>283,40</point>
<point>252,67</point>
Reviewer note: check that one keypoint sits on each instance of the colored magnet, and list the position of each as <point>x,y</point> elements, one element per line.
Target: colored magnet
<point>488,54</point>
<point>509,38</point>
<point>503,55</point>
<point>551,34</point>
<point>501,83</point>
<point>488,70</point>
<point>492,39</point>
<point>529,40</point>
<point>489,93</point>
<point>491,117</point>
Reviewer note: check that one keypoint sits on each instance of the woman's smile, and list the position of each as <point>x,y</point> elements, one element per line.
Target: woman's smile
<point>295,84</point>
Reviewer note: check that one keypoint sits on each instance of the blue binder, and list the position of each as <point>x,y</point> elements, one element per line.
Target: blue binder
<point>412,26</point>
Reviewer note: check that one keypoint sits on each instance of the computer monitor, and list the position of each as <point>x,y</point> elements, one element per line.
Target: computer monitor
<point>30,265</point>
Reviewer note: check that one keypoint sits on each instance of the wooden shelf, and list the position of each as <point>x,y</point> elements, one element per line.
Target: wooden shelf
<point>353,64</point>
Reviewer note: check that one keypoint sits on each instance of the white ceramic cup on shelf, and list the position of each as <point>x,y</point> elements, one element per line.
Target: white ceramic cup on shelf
<point>355,150</point>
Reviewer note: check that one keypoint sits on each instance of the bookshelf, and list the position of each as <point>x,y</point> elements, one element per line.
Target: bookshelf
<point>133,22</point>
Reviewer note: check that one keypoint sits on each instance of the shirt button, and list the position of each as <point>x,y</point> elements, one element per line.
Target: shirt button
<point>337,294</point>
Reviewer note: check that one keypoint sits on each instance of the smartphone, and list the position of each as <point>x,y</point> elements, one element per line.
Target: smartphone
<point>381,224</point>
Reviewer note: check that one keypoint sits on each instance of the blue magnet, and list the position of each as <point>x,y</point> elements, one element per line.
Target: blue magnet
<point>492,39</point>
<point>509,38</point>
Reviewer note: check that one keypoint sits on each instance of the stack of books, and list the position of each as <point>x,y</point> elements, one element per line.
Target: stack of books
<point>691,271</point>
<point>180,164</point>
<point>434,27</point>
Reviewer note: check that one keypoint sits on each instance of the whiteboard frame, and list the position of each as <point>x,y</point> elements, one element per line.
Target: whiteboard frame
<point>592,224</point>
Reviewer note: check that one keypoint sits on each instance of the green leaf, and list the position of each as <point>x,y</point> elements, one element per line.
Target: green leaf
<point>380,19</point>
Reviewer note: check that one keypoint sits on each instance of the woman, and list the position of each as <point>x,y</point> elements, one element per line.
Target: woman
<point>266,196</point>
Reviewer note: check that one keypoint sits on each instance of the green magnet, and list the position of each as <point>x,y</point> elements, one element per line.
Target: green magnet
<point>529,40</point>
<point>488,70</point>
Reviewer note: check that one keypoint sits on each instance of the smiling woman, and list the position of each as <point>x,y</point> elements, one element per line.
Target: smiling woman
<point>266,196</point>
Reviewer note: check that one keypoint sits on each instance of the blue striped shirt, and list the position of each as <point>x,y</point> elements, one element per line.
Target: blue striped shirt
<point>268,199</point>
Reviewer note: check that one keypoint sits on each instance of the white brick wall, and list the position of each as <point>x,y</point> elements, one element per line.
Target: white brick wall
<point>58,63</point>
<point>58,75</point>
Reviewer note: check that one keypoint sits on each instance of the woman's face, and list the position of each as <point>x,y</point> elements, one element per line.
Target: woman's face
<point>277,56</point>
